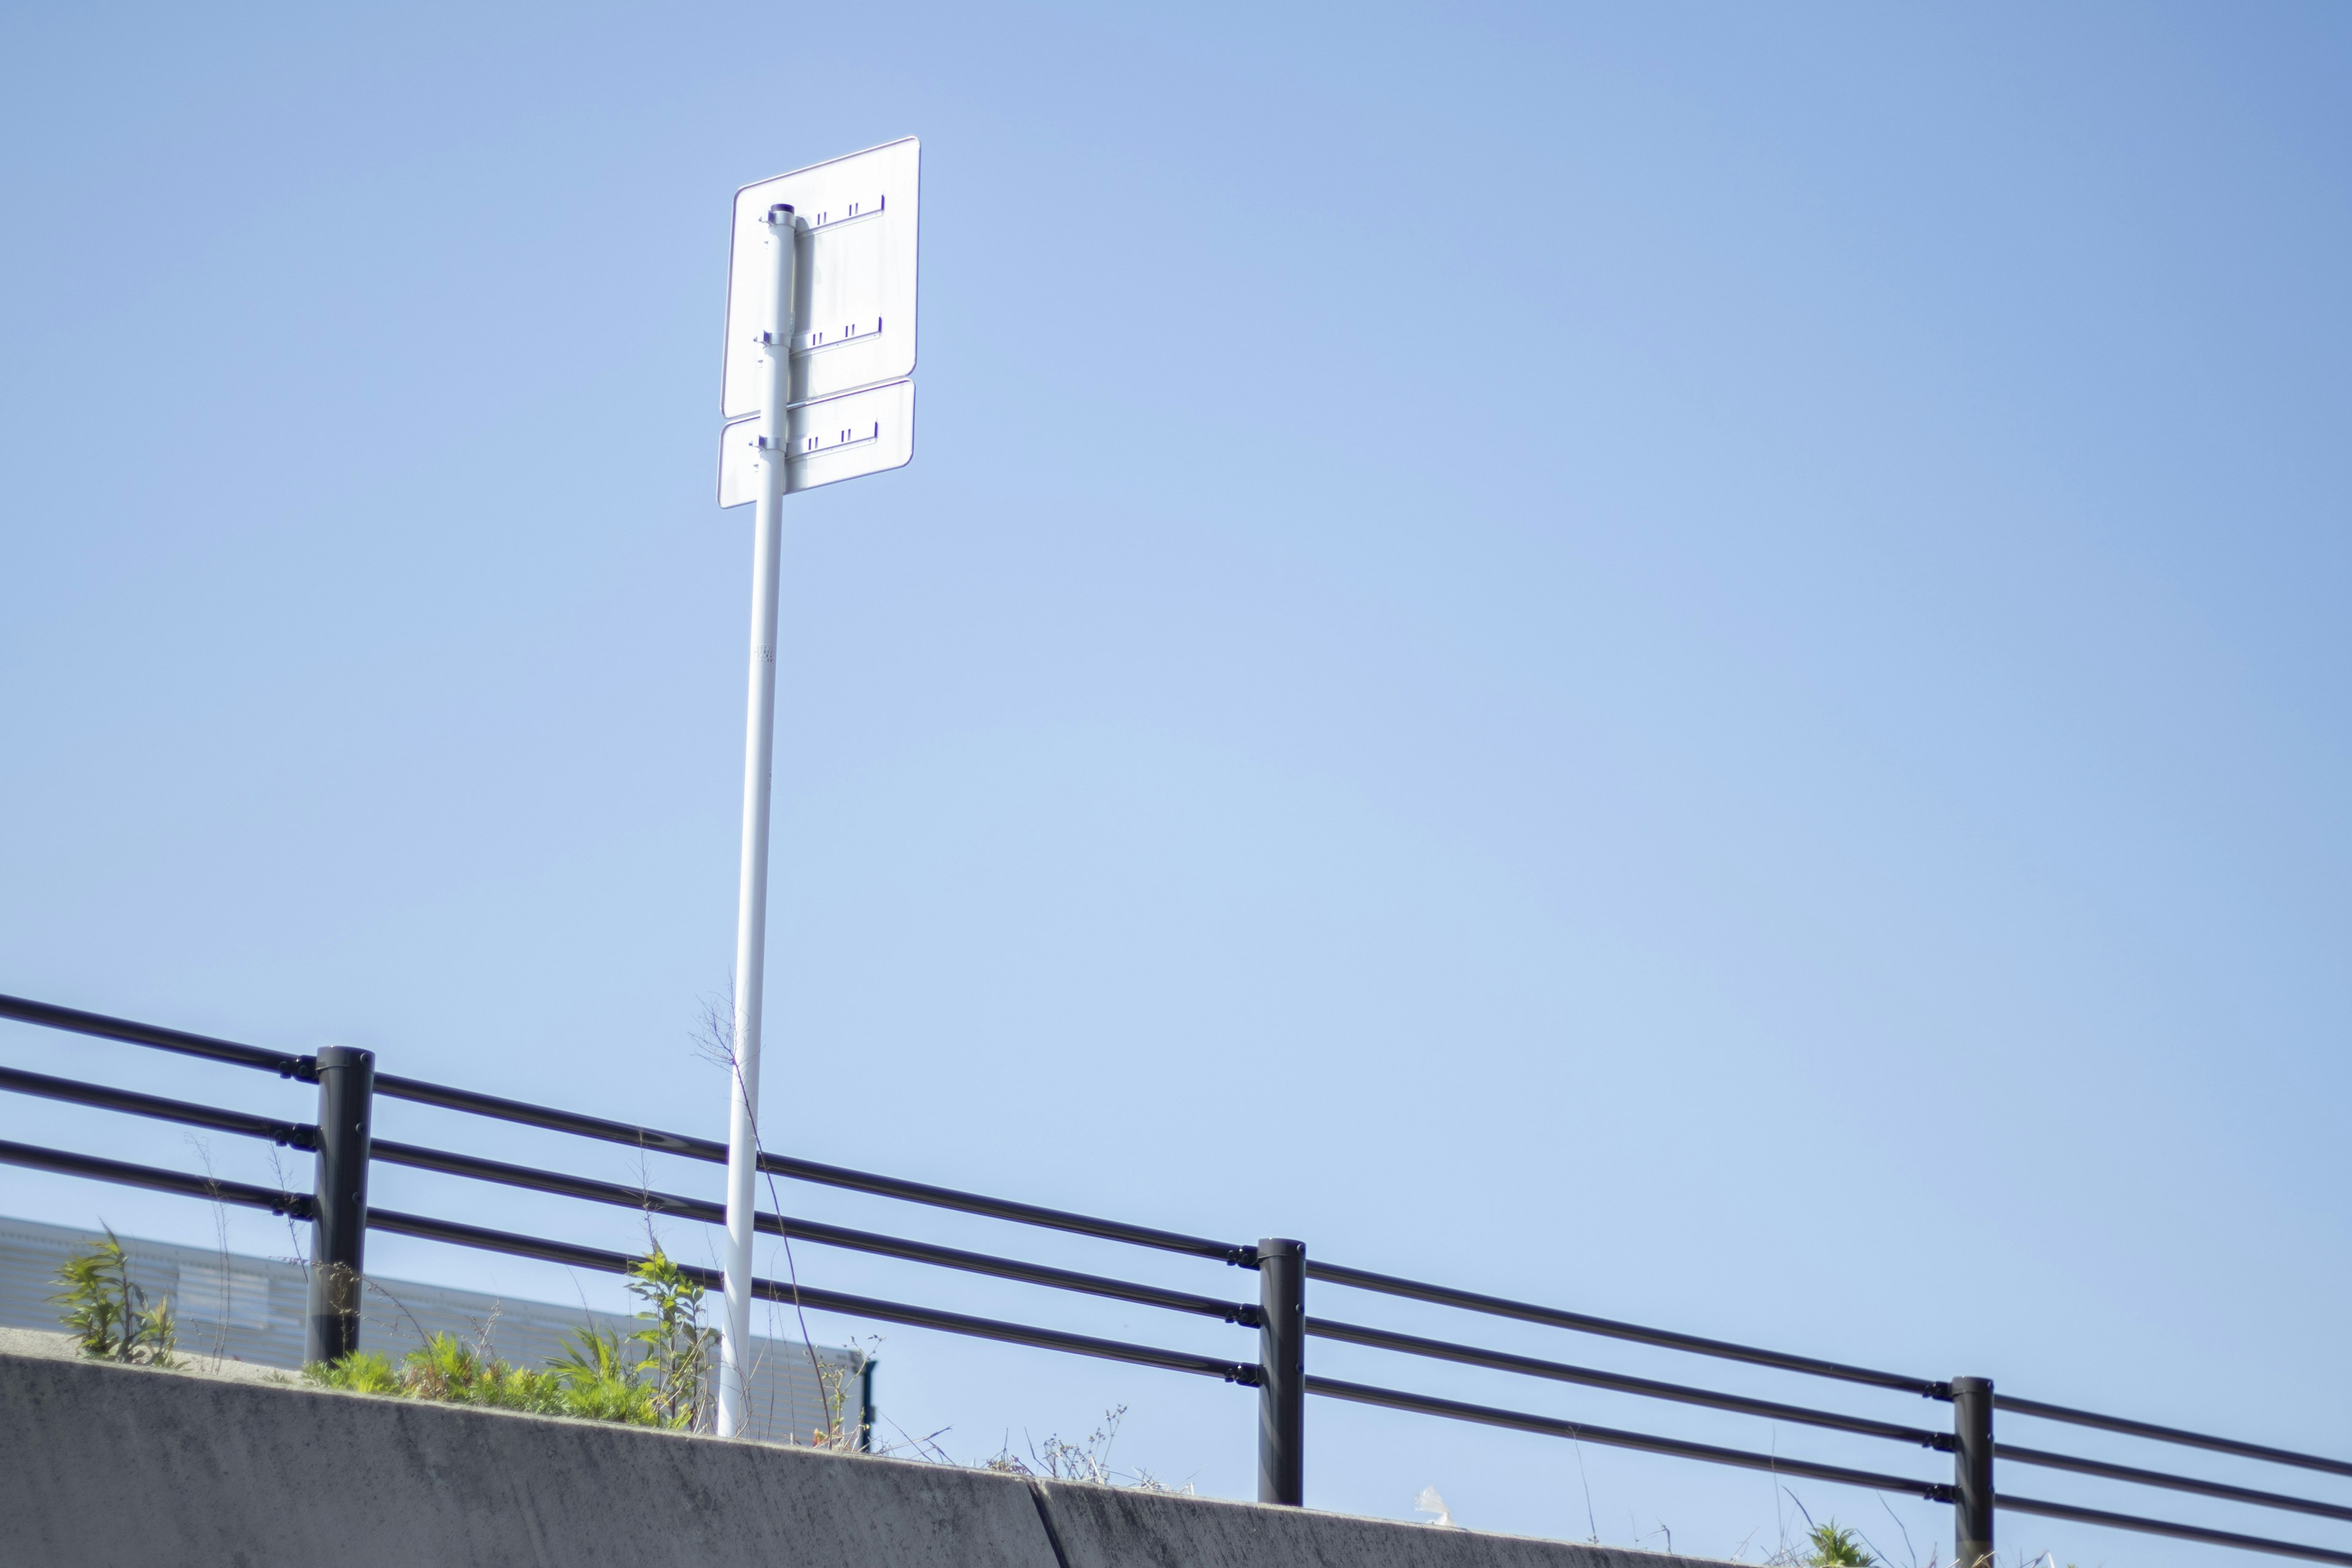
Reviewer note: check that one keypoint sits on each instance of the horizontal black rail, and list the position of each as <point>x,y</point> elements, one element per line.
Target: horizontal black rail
<point>714,1153</point>
<point>298,1205</point>
<point>2165,1527</point>
<point>622,1196</point>
<point>821,1300</point>
<point>288,1135</point>
<point>1562,1372</point>
<point>2149,1430</point>
<point>1549,1426</point>
<point>1526,1311</point>
<point>1553,1426</point>
<point>48,1015</point>
<point>33,1157</point>
<point>2082,1467</point>
<point>301,1135</point>
<point>553,1120</point>
<point>76,1021</point>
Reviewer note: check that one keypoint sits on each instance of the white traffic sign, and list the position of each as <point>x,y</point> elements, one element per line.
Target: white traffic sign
<point>820,343</point>
<point>843,438</point>
<point>854,296</point>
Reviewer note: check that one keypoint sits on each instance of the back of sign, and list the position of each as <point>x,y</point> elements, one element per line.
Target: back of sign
<point>836,439</point>
<point>855,305</point>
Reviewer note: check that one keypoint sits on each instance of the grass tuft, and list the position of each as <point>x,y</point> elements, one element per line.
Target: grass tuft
<point>657,1376</point>
<point>110,1316</point>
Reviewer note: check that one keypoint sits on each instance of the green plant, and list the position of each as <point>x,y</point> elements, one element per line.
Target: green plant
<point>678,1348</point>
<point>111,1314</point>
<point>595,1377</point>
<point>1835,1546</point>
<point>446,1368</point>
<point>360,1372</point>
<point>597,1380</point>
<point>843,1432</point>
<point>590,1354</point>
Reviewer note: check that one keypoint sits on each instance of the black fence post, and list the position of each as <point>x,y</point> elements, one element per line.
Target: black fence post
<point>339,1224</point>
<point>865,1405</point>
<point>1282,1371</point>
<point>1971,1472</point>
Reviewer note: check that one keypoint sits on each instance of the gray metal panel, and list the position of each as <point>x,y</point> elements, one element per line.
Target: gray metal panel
<point>251,1309</point>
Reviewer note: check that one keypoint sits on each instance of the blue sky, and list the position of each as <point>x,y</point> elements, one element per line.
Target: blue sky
<point>1683,661</point>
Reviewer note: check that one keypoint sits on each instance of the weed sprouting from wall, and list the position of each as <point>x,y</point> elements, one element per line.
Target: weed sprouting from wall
<point>1829,1544</point>
<point>220,1243</point>
<point>1835,1546</point>
<point>1059,1460</point>
<point>844,1430</point>
<point>111,1315</point>
<point>679,1348</point>
<point>656,1376</point>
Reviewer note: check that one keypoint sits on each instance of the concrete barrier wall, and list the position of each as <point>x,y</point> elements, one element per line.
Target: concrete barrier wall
<point>103,1465</point>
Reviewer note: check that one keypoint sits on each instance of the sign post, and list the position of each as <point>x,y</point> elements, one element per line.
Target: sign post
<point>759,774</point>
<point>820,343</point>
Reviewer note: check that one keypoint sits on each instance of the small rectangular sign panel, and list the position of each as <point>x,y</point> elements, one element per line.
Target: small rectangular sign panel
<point>842,438</point>
<point>855,289</point>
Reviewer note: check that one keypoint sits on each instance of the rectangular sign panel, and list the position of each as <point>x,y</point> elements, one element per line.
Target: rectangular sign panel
<point>839,438</point>
<point>855,305</point>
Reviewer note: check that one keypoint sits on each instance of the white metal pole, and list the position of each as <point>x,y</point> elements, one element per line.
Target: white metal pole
<point>758,768</point>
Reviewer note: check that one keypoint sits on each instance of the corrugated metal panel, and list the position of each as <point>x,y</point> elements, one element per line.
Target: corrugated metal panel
<point>252,1310</point>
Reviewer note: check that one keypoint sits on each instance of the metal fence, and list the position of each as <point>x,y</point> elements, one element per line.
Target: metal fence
<point>338,1210</point>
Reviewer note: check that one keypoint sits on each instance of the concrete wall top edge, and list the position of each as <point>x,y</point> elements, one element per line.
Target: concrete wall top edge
<point>103,1465</point>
